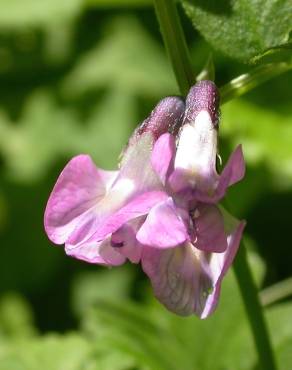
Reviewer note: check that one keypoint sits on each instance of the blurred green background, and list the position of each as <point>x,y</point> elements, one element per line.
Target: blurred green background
<point>77,77</point>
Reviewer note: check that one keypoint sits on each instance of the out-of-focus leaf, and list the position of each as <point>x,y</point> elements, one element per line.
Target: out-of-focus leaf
<point>3,210</point>
<point>151,334</point>
<point>128,328</point>
<point>108,128</point>
<point>128,58</point>
<point>242,29</point>
<point>118,3</point>
<point>160,340</point>
<point>284,354</point>
<point>47,131</point>
<point>16,319</point>
<point>90,287</point>
<point>43,131</point>
<point>265,136</point>
<point>71,351</point>
<point>19,13</point>
<point>51,352</point>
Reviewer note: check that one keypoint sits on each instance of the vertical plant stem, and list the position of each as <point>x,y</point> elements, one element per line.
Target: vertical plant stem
<point>254,310</point>
<point>179,55</point>
<point>175,43</point>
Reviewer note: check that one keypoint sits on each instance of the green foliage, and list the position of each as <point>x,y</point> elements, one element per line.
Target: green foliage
<point>150,334</point>
<point>265,136</point>
<point>36,13</point>
<point>117,61</point>
<point>242,29</point>
<point>16,319</point>
<point>78,76</point>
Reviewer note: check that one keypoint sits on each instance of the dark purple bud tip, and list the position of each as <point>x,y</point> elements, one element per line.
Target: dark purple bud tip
<point>204,95</point>
<point>166,117</point>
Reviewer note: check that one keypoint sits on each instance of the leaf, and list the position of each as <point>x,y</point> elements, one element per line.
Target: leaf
<point>118,3</point>
<point>274,54</point>
<point>161,340</point>
<point>128,59</point>
<point>16,319</point>
<point>127,327</point>
<point>241,29</point>
<point>90,287</point>
<point>53,352</point>
<point>46,131</point>
<point>265,136</point>
<point>17,14</point>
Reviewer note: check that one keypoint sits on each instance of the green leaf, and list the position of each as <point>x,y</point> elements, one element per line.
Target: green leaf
<point>17,14</point>
<point>129,328</point>
<point>120,62</point>
<point>16,319</point>
<point>241,29</point>
<point>118,3</point>
<point>46,131</point>
<point>90,287</point>
<point>53,352</point>
<point>161,340</point>
<point>265,136</point>
<point>274,54</point>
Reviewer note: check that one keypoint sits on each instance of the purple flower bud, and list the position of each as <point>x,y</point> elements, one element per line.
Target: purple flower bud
<point>165,117</point>
<point>203,96</point>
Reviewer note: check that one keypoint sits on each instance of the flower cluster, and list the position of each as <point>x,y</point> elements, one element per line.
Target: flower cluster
<point>160,208</point>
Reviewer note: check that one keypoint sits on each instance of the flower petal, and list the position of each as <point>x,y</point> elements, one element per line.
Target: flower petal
<point>125,240</point>
<point>178,278</point>
<point>96,252</point>
<point>136,165</point>
<point>139,206</point>
<point>196,154</point>
<point>209,231</point>
<point>78,189</point>
<point>188,281</point>
<point>164,227</point>
<point>233,172</point>
<point>163,155</point>
<point>219,263</point>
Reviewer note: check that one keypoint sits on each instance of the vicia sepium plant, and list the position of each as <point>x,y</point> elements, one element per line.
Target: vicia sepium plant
<point>160,208</point>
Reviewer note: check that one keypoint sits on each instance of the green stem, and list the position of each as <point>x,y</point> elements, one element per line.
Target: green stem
<point>177,48</point>
<point>175,43</point>
<point>250,297</point>
<point>248,81</point>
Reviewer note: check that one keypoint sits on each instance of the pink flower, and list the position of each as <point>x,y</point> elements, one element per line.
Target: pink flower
<point>189,242</point>
<point>160,208</point>
<point>88,205</point>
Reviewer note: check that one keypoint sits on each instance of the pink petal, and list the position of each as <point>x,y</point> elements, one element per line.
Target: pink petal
<point>124,239</point>
<point>209,231</point>
<point>136,165</point>
<point>188,281</point>
<point>233,172</point>
<point>163,155</point>
<point>139,206</point>
<point>96,252</point>
<point>164,227</point>
<point>178,278</point>
<point>77,191</point>
<point>219,263</point>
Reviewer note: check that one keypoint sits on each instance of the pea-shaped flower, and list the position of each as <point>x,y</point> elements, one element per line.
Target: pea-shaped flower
<point>88,205</point>
<point>190,242</point>
<point>160,208</point>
